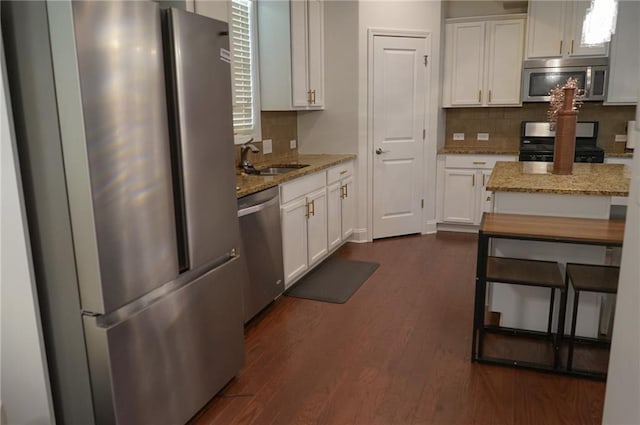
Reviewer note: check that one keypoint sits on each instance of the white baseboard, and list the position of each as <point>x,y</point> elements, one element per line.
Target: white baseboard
<point>359,236</point>
<point>431,227</point>
<point>465,228</point>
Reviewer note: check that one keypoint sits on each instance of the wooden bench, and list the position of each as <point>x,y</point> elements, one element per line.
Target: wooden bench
<point>531,272</point>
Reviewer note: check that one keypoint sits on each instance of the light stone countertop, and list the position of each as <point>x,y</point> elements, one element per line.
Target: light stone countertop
<point>248,184</point>
<point>618,154</point>
<point>478,150</point>
<point>537,177</point>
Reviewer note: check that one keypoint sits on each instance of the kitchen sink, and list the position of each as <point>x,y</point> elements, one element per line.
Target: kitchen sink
<point>276,170</point>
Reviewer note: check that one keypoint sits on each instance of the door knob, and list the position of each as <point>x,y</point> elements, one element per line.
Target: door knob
<point>379,151</point>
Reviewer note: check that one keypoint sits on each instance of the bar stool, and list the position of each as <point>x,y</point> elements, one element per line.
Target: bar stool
<point>589,278</point>
<point>544,274</point>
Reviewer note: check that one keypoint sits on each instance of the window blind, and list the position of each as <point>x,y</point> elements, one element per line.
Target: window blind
<point>240,27</point>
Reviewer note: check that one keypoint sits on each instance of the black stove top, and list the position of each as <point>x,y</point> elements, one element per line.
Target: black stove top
<point>537,140</point>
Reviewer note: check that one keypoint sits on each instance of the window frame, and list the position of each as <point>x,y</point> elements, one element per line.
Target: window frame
<point>256,133</point>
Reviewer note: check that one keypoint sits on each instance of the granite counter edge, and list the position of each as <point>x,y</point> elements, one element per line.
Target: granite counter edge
<point>320,162</point>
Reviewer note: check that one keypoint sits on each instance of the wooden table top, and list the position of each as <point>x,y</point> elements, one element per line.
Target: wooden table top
<point>560,229</point>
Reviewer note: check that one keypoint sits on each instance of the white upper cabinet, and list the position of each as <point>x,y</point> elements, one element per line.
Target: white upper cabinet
<point>291,54</point>
<point>307,53</point>
<point>467,61</point>
<point>625,61</point>
<point>505,45</point>
<point>555,30</point>
<point>483,61</point>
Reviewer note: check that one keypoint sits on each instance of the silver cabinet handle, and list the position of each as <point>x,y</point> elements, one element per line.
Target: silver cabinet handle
<point>379,151</point>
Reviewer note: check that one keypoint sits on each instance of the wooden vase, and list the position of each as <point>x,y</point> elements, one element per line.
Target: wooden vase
<point>564,148</point>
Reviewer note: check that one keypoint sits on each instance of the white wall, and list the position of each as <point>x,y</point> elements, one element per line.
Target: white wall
<point>465,8</point>
<point>622,399</point>
<point>335,129</point>
<point>24,382</point>
<point>342,127</point>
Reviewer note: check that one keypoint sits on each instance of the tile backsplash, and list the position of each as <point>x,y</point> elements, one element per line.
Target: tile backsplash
<point>281,128</point>
<point>503,124</point>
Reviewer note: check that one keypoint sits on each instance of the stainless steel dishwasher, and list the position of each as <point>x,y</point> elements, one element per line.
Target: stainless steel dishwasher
<point>259,215</point>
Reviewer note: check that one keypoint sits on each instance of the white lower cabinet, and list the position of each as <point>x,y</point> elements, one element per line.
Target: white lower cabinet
<point>462,187</point>
<point>317,226</point>
<point>334,211</point>
<point>486,197</point>
<point>294,239</point>
<point>340,204</point>
<point>304,224</point>
<point>316,218</point>
<point>459,196</point>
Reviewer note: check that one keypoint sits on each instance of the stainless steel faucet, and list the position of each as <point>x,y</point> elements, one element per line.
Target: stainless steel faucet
<point>245,164</point>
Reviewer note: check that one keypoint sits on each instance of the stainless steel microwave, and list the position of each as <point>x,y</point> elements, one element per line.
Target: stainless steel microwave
<point>542,75</point>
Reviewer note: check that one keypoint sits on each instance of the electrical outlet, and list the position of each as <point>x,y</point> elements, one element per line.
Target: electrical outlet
<point>482,136</point>
<point>458,136</point>
<point>621,138</point>
<point>267,146</point>
<point>293,143</point>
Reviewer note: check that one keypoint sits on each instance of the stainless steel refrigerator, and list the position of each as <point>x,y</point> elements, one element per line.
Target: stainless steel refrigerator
<point>124,122</point>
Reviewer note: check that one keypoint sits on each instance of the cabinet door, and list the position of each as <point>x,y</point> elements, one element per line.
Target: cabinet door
<point>307,54</point>
<point>574,33</point>
<point>546,29</point>
<point>504,61</point>
<point>334,214</point>
<point>486,197</point>
<point>299,61</point>
<point>294,239</point>
<point>274,51</point>
<point>315,53</point>
<point>467,63</point>
<point>317,226</point>
<point>625,60</point>
<point>459,196</point>
<point>348,208</point>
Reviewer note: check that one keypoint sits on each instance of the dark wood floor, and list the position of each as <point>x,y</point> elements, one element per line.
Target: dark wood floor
<point>396,353</point>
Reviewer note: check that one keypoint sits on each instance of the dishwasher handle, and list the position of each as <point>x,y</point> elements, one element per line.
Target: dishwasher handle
<point>257,208</point>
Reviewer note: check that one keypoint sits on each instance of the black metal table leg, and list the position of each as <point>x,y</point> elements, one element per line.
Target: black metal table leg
<point>480,291</point>
<point>573,330</point>
<point>550,320</point>
<point>561,320</point>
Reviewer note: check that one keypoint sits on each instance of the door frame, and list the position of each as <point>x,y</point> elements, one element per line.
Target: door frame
<point>428,125</point>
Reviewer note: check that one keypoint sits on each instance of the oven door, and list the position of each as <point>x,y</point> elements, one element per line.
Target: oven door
<point>537,82</point>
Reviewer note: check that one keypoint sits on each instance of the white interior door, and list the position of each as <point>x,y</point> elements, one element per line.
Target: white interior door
<point>399,85</point>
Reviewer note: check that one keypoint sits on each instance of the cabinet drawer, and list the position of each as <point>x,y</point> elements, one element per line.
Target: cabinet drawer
<point>301,186</point>
<point>339,171</point>
<point>475,161</point>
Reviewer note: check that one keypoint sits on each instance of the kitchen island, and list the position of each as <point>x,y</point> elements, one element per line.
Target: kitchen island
<point>531,188</point>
